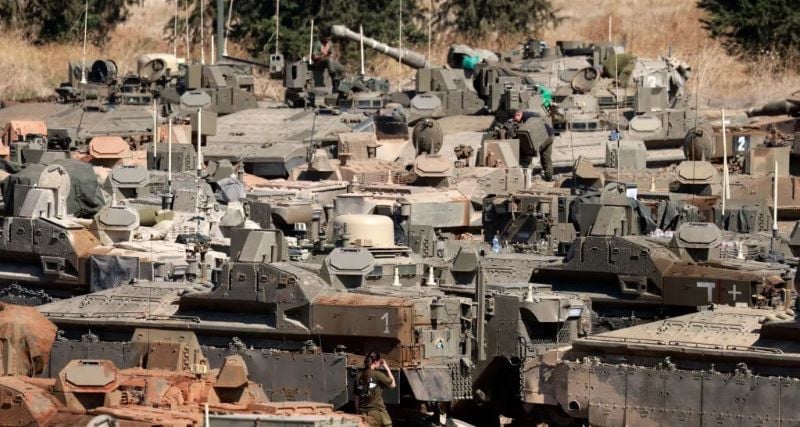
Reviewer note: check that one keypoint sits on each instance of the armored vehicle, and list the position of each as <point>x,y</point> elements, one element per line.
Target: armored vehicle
<point>270,142</point>
<point>168,382</point>
<point>231,87</point>
<point>724,365</point>
<point>335,313</point>
<point>268,303</point>
<point>441,91</point>
<point>636,268</point>
<point>308,86</point>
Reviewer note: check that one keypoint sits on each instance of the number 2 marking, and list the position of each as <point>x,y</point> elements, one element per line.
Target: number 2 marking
<point>385,318</point>
<point>741,144</point>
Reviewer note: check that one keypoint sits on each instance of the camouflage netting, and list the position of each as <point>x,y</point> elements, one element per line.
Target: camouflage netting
<point>85,197</point>
<point>29,335</point>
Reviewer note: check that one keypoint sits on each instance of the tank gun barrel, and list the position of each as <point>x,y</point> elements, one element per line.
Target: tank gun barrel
<point>789,106</point>
<point>405,56</point>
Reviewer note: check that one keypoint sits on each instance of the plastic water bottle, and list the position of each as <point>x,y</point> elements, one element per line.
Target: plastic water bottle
<point>496,245</point>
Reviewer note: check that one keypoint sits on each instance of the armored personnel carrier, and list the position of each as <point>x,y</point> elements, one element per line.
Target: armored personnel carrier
<point>271,304</point>
<point>724,365</point>
<point>558,238</point>
<point>169,382</point>
<point>333,314</point>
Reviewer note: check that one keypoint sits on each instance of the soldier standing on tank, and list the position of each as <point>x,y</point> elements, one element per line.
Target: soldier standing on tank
<point>369,390</point>
<point>322,57</point>
<point>545,150</point>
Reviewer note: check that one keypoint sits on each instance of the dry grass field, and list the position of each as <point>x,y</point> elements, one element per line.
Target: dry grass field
<point>648,28</point>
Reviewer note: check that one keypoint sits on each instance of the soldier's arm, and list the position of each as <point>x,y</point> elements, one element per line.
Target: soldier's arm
<point>391,383</point>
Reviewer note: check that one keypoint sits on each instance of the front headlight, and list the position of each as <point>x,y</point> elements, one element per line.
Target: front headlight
<point>574,313</point>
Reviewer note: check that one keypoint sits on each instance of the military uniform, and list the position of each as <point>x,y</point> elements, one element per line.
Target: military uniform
<point>371,399</point>
<point>326,60</point>
<point>541,136</point>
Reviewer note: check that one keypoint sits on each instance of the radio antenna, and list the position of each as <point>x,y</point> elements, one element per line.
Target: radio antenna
<point>85,31</point>
<point>616,98</point>
<point>277,25</point>
<point>202,33</point>
<point>400,45</point>
<point>361,46</point>
<point>227,30</point>
<point>725,177</point>
<point>175,31</point>
<point>775,202</point>
<point>186,27</point>
<point>155,126</point>
<point>311,43</point>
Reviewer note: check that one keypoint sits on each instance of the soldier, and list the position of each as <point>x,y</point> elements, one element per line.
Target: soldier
<point>322,56</point>
<point>369,396</point>
<point>536,125</point>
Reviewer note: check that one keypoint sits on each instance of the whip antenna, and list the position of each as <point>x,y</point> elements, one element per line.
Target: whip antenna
<point>85,30</point>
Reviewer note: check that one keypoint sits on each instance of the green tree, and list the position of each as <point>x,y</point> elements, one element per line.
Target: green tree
<point>46,20</point>
<point>754,26</point>
<point>254,23</point>
<point>476,18</point>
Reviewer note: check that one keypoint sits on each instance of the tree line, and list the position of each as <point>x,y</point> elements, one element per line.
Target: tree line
<point>745,26</point>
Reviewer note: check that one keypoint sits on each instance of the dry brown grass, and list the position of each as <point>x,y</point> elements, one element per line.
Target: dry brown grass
<point>651,28</point>
<point>648,28</point>
<point>34,71</point>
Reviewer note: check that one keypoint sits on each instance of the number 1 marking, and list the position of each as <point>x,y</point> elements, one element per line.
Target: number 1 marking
<point>385,318</point>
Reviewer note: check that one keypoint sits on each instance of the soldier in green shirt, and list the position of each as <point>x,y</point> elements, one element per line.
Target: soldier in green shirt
<point>322,57</point>
<point>369,390</point>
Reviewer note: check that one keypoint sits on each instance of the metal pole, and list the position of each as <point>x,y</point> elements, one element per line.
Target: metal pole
<point>155,126</point>
<point>220,29</point>
<point>311,43</point>
<point>725,177</point>
<point>361,43</point>
<point>430,28</point>
<point>400,45</point>
<point>199,141</point>
<point>480,294</point>
<point>202,32</point>
<point>277,25</point>
<point>616,97</point>
<point>169,157</point>
<point>228,28</point>
<point>775,202</point>
<point>85,31</point>
<point>186,27</point>
<point>175,31</point>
